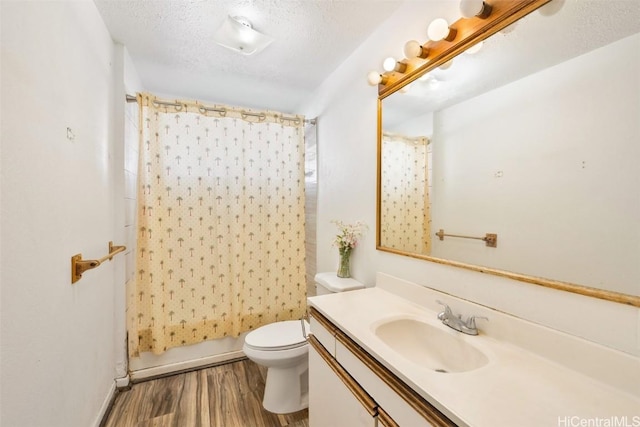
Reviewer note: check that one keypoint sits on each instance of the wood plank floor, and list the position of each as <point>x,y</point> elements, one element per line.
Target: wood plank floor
<point>228,395</point>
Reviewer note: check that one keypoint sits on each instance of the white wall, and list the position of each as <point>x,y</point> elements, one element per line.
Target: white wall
<point>549,163</point>
<point>58,199</point>
<point>347,181</point>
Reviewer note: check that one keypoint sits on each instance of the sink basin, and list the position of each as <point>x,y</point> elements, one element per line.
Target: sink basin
<point>430,347</point>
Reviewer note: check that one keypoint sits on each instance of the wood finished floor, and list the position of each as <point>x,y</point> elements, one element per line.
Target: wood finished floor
<point>228,395</point>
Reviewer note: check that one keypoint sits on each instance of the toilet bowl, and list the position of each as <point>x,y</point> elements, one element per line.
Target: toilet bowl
<point>283,349</point>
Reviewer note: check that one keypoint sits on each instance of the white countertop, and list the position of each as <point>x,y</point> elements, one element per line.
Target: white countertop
<point>515,388</point>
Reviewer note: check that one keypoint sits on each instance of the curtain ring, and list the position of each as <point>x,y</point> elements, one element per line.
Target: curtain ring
<point>260,116</point>
<point>221,111</point>
<point>295,120</point>
<point>175,105</point>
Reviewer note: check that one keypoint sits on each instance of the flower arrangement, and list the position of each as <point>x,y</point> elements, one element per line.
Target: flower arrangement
<point>349,234</point>
<point>346,240</point>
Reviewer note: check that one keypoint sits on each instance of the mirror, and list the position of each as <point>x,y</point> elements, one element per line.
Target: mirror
<point>535,139</point>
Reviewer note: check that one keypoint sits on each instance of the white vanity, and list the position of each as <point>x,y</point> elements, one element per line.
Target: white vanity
<point>381,357</point>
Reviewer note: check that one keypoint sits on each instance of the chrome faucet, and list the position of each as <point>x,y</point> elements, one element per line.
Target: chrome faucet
<point>455,322</point>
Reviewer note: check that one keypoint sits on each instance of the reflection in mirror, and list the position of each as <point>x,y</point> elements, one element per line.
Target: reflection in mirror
<point>546,158</point>
<point>405,209</point>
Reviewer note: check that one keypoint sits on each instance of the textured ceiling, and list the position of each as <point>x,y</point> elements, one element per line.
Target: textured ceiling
<point>170,42</point>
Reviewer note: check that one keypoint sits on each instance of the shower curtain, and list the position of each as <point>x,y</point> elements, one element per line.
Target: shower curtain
<point>405,208</point>
<point>220,223</point>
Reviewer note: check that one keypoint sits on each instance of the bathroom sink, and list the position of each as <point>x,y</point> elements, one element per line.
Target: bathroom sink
<point>429,346</point>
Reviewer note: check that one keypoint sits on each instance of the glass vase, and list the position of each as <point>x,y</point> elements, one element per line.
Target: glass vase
<point>343,266</point>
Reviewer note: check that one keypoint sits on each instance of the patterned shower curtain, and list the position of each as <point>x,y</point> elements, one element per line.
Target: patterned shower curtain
<point>405,208</point>
<point>220,223</point>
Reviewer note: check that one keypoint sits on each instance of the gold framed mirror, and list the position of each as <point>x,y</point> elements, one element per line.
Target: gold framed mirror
<point>577,213</point>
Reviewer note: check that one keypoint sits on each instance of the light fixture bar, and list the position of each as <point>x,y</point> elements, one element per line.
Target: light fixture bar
<point>469,32</point>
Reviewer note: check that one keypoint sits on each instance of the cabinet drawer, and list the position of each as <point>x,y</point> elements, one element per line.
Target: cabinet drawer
<point>324,331</point>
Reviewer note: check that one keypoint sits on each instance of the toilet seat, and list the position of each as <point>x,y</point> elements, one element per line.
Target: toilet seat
<point>277,336</point>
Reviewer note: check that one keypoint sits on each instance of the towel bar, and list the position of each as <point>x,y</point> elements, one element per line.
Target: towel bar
<point>79,266</point>
<point>490,239</point>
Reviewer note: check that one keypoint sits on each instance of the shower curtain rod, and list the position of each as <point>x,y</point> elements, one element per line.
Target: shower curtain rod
<point>222,111</point>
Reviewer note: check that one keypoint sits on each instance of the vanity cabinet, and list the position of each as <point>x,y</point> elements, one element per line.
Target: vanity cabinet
<point>370,384</point>
<point>335,399</point>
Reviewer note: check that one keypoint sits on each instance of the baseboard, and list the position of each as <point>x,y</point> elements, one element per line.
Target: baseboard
<point>123,383</point>
<point>106,406</point>
<point>159,371</point>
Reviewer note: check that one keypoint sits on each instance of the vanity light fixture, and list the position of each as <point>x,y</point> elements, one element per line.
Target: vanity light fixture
<point>237,33</point>
<point>439,30</point>
<point>471,8</point>
<point>481,19</point>
<point>413,49</point>
<point>390,64</point>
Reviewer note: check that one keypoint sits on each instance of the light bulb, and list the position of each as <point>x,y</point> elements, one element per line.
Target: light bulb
<point>374,78</point>
<point>389,64</point>
<point>438,29</point>
<point>475,48</point>
<point>413,49</point>
<point>471,8</point>
<point>446,65</point>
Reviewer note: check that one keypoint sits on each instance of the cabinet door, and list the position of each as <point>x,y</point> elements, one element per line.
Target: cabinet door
<point>332,399</point>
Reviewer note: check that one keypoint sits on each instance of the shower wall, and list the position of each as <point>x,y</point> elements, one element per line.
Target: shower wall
<point>311,201</point>
<point>131,85</point>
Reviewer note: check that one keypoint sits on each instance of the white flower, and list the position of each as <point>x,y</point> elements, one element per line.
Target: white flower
<point>349,234</point>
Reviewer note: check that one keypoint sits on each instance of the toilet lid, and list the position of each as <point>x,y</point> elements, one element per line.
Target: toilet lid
<point>277,336</point>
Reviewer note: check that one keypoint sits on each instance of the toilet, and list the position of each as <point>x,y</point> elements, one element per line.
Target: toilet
<point>283,349</point>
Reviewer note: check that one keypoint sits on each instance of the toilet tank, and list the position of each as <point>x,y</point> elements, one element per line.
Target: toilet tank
<point>328,283</point>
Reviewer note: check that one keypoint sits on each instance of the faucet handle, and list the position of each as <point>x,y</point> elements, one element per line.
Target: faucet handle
<point>446,313</point>
<point>471,321</point>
